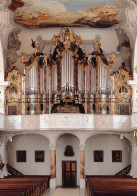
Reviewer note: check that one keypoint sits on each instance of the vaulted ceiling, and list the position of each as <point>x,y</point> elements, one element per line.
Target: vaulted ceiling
<point>113,14</point>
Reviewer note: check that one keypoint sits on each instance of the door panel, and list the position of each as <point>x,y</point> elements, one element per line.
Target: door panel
<point>69,173</point>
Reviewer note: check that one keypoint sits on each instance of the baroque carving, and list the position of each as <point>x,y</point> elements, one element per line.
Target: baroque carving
<point>13,46</point>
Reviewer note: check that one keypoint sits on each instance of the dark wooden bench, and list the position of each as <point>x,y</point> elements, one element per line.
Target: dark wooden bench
<point>23,186</point>
<point>111,186</point>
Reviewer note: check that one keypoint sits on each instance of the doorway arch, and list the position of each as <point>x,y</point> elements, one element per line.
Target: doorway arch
<point>62,143</point>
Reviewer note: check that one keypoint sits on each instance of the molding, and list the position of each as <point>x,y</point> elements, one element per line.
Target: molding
<point>82,184</point>
<point>67,122</point>
<point>53,183</point>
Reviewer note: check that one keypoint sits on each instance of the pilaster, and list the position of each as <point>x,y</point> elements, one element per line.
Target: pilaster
<point>133,84</point>
<point>53,183</point>
<point>3,154</point>
<point>82,165</point>
<point>3,85</point>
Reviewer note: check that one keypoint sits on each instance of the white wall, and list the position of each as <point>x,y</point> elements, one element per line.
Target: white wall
<point>107,143</point>
<point>62,143</point>
<point>30,143</point>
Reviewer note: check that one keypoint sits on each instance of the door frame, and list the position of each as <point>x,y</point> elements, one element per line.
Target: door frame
<point>63,180</point>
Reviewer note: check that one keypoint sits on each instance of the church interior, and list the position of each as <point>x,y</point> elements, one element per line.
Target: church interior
<point>68,96</point>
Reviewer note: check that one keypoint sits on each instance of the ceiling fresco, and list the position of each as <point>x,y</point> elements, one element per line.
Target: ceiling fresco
<point>48,13</point>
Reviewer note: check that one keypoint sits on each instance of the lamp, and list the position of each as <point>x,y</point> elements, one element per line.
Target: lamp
<point>135,133</point>
<point>129,149</point>
<point>10,139</point>
<point>121,137</point>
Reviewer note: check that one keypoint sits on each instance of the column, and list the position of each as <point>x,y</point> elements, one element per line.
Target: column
<point>133,84</point>
<point>133,171</point>
<point>82,165</point>
<point>3,86</point>
<point>53,166</point>
<point>4,171</point>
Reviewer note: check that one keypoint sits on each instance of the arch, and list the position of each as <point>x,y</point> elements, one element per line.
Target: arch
<point>29,149</point>
<point>17,134</point>
<point>107,145</point>
<point>107,133</point>
<point>63,141</point>
<point>68,133</point>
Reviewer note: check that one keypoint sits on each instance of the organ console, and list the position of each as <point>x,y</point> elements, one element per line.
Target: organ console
<point>68,81</point>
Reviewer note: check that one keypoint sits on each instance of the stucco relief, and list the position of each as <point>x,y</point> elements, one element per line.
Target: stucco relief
<point>2,121</point>
<point>67,121</point>
<point>134,121</point>
<point>13,122</point>
<point>44,121</point>
<point>135,69</point>
<point>103,122</point>
<point>30,122</point>
<point>88,121</point>
<point>121,122</point>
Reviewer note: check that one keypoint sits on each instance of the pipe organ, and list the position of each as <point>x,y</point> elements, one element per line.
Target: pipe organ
<point>68,81</point>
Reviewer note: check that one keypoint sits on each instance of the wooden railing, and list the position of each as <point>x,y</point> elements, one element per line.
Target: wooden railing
<point>13,171</point>
<point>31,106</point>
<point>38,189</point>
<point>124,172</point>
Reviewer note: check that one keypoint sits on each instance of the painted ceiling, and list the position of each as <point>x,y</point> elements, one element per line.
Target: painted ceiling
<point>48,13</point>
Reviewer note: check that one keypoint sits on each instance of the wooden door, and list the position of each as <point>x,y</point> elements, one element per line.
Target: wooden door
<point>69,173</point>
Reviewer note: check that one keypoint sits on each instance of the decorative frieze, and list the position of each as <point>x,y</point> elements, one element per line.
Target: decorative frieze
<point>68,122</point>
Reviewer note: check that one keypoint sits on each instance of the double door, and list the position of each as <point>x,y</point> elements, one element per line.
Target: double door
<point>69,174</point>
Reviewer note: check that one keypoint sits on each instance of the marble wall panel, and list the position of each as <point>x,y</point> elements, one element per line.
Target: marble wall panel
<point>121,122</point>
<point>30,122</point>
<point>103,122</point>
<point>66,121</point>
<point>2,121</point>
<point>134,121</point>
<point>13,122</point>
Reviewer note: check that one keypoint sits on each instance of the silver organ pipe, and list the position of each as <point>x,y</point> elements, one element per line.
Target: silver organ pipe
<point>67,73</point>
<point>80,80</point>
<point>87,81</point>
<point>31,83</point>
<point>54,80</point>
<point>47,80</point>
<point>104,81</point>
<point>42,80</point>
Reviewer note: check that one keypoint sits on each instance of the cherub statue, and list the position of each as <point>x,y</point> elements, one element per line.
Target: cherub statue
<point>35,45</point>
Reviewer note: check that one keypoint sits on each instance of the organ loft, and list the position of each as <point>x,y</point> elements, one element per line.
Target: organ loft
<point>68,80</point>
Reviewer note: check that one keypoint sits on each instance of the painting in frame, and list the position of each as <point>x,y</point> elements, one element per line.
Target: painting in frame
<point>98,155</point>
<point>116,155</point>
<point>21,155</point>
<point>39,155</point>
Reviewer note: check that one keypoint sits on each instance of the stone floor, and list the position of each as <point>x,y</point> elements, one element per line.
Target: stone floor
<point>67,192</point>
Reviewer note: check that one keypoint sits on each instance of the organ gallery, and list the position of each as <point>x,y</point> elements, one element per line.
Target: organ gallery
<point>68,80</point>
